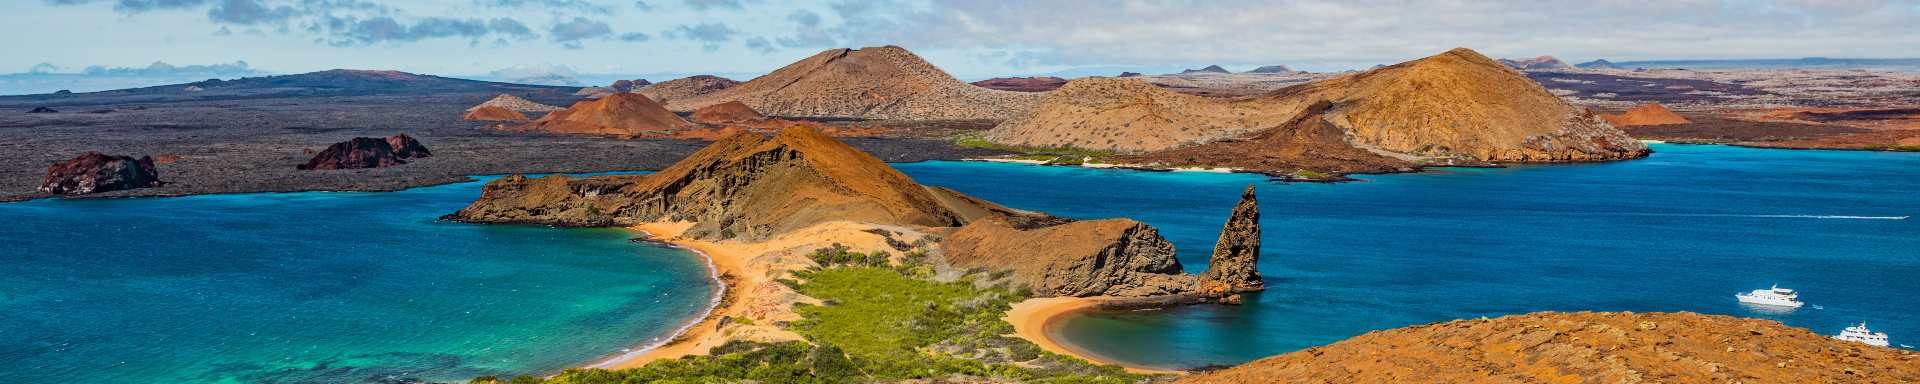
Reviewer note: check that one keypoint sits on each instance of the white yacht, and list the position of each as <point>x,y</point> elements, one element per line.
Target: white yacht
<point>1776,296</point>
<point>1859,333</point>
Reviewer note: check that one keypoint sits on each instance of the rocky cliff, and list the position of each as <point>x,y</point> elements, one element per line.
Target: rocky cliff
<point>746,186</point>
<point>1585,347</point>
<point>1114,257</point>
<point>1455,106</point>
<point>1235,266</point>
<point>619,114</point>
<point>95,172</point>
<point>368,152</point>
<point>871,83</point>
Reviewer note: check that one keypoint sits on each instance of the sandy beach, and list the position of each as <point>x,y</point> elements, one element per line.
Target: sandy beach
<point>1032,318</point>
<point>728,264</point>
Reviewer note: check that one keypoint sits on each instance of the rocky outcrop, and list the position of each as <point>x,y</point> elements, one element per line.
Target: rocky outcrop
<point>494,113</point>
<point>628,85</point>
<point>728,112</point>
<point>1584,347</point>
<point>514,103</point>
<point>368,152</point>
<point>747,186</point>
<point>869,83</point>
<point>1235,266</point>
<point>94,172</point>
<point>1646,114</point>
<point>1542,63</point>
<point>1022,84</point>
<point>619,114</point>
<point>686,87</point>
<point>1114,257</point>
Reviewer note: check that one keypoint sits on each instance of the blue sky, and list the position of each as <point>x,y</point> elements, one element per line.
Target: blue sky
<point>971,39</point>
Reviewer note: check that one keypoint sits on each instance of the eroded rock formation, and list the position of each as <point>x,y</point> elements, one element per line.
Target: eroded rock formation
<point>95,172</point>
<point>1584,347</point>
<point>1113,257</point>
<point>746,186</point>
<point>1235,265</point>
<point>368,152</point>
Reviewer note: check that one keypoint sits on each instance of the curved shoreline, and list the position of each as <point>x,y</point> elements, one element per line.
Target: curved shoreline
<point>1035,320</point>
<point>647,352</point>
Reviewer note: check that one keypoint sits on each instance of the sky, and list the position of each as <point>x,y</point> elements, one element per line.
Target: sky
<point>970,39</point>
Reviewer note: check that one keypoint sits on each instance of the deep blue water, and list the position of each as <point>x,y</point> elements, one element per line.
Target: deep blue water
<point>1680,231</point>
<point>322,287</point>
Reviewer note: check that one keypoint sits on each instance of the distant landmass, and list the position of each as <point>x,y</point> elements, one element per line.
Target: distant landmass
<point>1809,62</point>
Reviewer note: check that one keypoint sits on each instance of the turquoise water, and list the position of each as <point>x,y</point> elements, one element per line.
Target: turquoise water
<point>320,287</point>
<point>1680,231</point>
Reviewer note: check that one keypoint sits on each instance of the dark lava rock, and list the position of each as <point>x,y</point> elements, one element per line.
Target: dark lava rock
<point>1234,267</point>
<point>43,110</point>
<point>96,172</point>
<point>368,152</point>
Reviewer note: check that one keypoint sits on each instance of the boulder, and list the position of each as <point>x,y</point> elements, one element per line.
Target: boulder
<point>367,152</point>
<point>96,172</point>
<point>1236,257</point>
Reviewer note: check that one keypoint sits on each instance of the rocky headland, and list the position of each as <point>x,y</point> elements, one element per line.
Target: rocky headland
<point>368,152</point>
<point>1584,347</point>
<point>96,172</point>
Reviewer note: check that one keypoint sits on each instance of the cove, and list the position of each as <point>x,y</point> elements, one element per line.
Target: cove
<point>1682,230</point>
<point>321,287</point>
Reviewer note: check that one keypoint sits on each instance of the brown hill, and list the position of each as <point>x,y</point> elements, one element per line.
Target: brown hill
<point>747,186</point>
<point>872,83</point>
<point>1647,114</point>
<point>732,111</point>
<point>514,103</point>
<point>1585,347</point>
<point>494,113</point>
<point>620,114</point>
<point>1130,115</point>
<point>667,91</point>
<point>1458,105</point>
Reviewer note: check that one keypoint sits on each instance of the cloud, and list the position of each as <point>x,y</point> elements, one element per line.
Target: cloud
<point>158,68</point>
<point>709,35</point>
<point>635,37</point>
<point>381,29</point>
<point>805,18</point>
<point>569,33</point>
<point>760,44</point>
<point>702,5</point>
<point>579,5</point>
<point>546,73</point>
<point>248,12</point>
<point>642,5</point>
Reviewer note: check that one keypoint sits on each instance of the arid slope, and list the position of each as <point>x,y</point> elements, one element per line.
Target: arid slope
<point>620,114</point>
<point>1585,347</point>
<point>871,83</point>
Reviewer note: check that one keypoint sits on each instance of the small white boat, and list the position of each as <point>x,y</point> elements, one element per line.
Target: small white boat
<point>1860,333</point>
<point>1776,296</point>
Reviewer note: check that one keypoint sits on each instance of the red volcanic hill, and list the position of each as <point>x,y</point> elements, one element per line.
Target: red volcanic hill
<point>620,114</point>
<point>870,83</point>
<point>728,112</point>
<point>1648,114</point>
<point>494,113</point>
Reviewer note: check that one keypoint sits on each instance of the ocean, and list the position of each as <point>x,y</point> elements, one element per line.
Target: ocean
<point>1682,230</point>
<point>320,287</point>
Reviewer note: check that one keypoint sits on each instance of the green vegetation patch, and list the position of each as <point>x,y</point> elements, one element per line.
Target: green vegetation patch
<point>1048,154</point>
<point>876,323</point>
